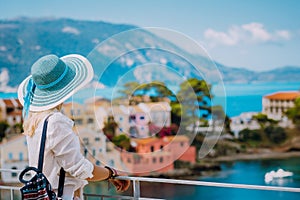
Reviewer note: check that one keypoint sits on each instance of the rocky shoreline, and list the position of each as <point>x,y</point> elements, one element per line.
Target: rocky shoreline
<point>258,155</point>
<point>191,172</point>
<point>208,165</point>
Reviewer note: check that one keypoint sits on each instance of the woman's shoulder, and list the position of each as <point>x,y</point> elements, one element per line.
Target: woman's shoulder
<point>60,118</point>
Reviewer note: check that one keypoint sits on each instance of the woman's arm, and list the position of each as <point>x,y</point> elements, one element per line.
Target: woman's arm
<point>99,174</point>
<point>103,173</point>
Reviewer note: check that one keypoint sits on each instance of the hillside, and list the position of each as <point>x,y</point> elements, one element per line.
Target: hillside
<point>23,40</point>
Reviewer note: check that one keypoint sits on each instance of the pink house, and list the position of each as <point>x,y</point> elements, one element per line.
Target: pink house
<point>158,154</point>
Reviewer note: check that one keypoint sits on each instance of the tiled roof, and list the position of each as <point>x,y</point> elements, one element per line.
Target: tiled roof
<point>8,103</point>
<point>146,140</point>
<point>177,138</point>
<point>283,95</point>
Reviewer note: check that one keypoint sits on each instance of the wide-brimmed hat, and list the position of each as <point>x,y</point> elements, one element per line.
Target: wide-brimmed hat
<point>53,80</point>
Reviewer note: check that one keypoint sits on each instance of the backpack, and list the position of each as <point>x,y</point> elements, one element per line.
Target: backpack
<point>38,187</point>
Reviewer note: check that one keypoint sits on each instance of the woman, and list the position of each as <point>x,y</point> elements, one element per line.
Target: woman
<point>52,81</point>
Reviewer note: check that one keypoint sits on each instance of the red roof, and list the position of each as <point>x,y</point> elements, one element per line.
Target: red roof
<point>283,95</point>
<point>8,103</point>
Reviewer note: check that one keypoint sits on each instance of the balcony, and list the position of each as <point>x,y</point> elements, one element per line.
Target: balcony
<point>12,192</point>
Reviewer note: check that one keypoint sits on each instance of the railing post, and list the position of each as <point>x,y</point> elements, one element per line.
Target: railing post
<point>136,190</point>
<point>11,194</point>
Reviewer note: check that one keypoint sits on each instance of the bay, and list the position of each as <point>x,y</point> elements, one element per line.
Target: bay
<point>240,172</point>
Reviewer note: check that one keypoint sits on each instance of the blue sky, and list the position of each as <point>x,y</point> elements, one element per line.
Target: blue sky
<point>258,35</point>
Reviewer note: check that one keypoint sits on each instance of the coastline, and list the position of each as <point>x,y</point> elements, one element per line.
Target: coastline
<point>255,156</point>
<point>207,165</point>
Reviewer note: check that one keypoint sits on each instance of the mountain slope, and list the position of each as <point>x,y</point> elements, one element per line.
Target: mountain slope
<point>23,40</point>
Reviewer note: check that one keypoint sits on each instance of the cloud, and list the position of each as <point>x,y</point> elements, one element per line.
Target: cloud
<point>251,33</point>
<point>72,30</point>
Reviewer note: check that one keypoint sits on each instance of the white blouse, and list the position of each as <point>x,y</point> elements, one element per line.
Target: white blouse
<point>62,149</point>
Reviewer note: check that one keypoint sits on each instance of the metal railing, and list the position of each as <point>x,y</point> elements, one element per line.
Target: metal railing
<point>136,195</point>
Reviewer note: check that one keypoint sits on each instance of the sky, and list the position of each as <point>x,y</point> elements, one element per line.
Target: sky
<point>258,35</point>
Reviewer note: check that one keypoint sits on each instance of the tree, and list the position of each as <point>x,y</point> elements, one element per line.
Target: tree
<point>263,120</point>
<point>193,102</point>
<point>294,113</point>
<point>275,134</point>
<point>156,90</point>
<point>250,135</point>
<point>122,141</point>
<point>3,127</point>
<point>109,128</point>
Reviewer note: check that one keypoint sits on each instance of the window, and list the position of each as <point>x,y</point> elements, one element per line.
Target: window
<point>142,117</point>
<point>152,148</point>
<point>94,152</point>
<point>154,160</point>
<point>97,139</point>
<point>85,152</point>
<point>14,174</point>
<point>111,163</point>
<point>132,118</point>
<point>10,156</point>
<point>98,162</point>
<point>90,121</point>
<point>21,156</point>
<point>78,121</point>
<point>86,141</point>
<point>161,159</point>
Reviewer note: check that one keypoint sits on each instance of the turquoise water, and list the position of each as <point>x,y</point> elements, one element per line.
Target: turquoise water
<point>242,172</point>
<point>248,97</point>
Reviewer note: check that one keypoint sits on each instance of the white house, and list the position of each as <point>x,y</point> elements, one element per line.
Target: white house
<point>275,104</point>
<point>13,156</point>
<point>243,121</point>
<point>135,120</point>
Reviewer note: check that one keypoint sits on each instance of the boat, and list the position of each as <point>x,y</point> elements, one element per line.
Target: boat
<point>279,174</point>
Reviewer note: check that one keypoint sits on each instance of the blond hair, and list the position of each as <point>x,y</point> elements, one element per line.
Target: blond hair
<point>34,118</point>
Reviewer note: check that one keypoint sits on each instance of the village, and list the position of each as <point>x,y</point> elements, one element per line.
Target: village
<point>133,138</point>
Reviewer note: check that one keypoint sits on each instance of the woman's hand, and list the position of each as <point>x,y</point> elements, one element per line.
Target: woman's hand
<point>121,185</point>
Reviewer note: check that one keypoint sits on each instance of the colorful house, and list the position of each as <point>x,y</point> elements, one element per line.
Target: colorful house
<point>275,104</point>
<point>135,120</point>
<point>13,155</point>
<point>158,154</point>
<point>11,111</point>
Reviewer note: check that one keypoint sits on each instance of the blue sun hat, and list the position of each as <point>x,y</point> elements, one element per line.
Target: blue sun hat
<point>53,80</point>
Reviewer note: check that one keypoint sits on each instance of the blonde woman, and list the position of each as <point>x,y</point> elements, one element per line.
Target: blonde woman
<point>52,81</point>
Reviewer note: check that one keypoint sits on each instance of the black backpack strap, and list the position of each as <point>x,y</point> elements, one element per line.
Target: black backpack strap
<point>42,145</point>
<point>61,182</point>
<point>41,159</point>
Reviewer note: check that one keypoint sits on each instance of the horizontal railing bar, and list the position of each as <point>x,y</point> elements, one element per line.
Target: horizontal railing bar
<point>6,187</point>
<point>212,184</point>
<point>106,196</point>
<point>10,170</point>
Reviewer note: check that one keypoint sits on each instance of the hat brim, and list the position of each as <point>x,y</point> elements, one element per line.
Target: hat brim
<point>47,99</point>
